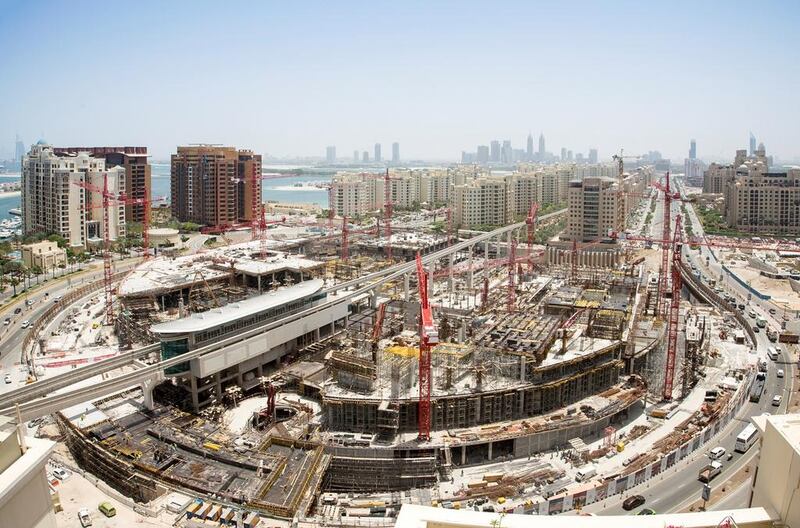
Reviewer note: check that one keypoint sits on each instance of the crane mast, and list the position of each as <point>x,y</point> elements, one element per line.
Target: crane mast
<point>428,338</point>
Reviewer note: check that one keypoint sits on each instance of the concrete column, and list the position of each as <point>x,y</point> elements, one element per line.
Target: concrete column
<point>486,250</point>
<point>195,399</point>
<point>469,263</point>
<point>147,391</point>
<point>450,281</point>
<point>218,386</point>
<point>463,455</point>
<point>373,299</point>
<point>490,450</point>
<point>259,284</point>
<point>406,286</point>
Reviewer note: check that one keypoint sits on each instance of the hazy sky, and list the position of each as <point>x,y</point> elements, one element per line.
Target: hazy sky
<point>289,78</point>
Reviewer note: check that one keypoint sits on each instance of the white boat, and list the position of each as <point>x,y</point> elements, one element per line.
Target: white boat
<point>15,211</point>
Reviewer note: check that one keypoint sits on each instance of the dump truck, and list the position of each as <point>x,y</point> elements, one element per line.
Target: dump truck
<point>710,471</point>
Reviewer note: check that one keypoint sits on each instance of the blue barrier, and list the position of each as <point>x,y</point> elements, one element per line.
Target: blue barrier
<point>746,286</point>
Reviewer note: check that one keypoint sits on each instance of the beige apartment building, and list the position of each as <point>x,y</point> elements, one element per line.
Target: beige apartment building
<point>481,202</point>
<point>55,198</point>
<point>352,194</point>
<point>758,201</point>
<point>214,185</point>
<point>45,255</point>
<point>595,209</point>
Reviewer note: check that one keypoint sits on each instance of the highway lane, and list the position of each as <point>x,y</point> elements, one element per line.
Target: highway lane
<point>13,335</point>
<point>679,487</point>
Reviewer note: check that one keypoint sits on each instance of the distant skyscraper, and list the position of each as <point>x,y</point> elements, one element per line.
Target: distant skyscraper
<point>365,157</point>
<point>541,147</point>
<point>495,151</point>
<point>692,149</point>
<point>377,152</point>
<point>395,152</point>
<point>355,156</point>
<point>506,154</point>
<point>563,153</point>
<point>569,155</point>
<point>752,144</point>
<point>19,150</point>
<point>483,154</point>
<point>593,156</point>
<point>330,154</point>
<point>530,146</point>
<point>579,157</point>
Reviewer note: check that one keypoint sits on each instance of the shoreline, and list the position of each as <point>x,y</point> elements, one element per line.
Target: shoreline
<point>8,194</point>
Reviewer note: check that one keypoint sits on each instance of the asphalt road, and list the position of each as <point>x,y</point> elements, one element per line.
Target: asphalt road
<point>12,335</point>
<point>678,487</point>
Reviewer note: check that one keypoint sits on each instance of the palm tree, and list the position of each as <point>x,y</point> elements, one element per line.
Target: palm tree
<point>36,270</point>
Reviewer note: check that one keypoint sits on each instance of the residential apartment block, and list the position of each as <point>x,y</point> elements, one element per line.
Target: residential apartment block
<point>54,199</point>
<point>759,201</point>
<point>214,185</point>
<point>137,173</point>
<point>595,209</point>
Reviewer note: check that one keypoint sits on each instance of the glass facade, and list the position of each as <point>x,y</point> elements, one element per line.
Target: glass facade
<point>170,349</point>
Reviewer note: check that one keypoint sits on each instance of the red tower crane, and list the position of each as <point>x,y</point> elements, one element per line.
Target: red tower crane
<point>106,197</point>
<point>428,338</point>
<point>530,222</point>
<point>674,311</point>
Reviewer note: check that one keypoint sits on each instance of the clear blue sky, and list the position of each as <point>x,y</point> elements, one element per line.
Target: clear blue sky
<point>289,78</point>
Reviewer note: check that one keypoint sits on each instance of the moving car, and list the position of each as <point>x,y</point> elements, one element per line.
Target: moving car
<point>7,321</point>
<point>776,401</point>
<point>17,311</point>
<point>716,453</point>
<point>709,471</point>
<point>632,502</point>
<point>780,373</point>
<point>25,323</point>
<point>646,511</point>
<point>7,379</point>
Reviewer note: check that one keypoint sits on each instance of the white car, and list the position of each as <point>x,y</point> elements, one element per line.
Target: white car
<point>776,401</point>
<point>716,453</point>
<point>61,474</point>
<point>25,323</point>
<point>780,373</point>
<point>85,517</point>
<point>7,379</point>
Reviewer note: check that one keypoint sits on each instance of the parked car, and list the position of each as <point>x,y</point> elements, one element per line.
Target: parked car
<point>61,474</point>
<point>85,517</point>
<point>632,502</point>
<point>107,509</point>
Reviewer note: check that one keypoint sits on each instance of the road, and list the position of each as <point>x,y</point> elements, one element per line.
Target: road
<point>13,334</point>
<point>678,487</point>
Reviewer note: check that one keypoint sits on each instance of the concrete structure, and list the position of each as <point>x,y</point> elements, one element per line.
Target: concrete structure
<point>378,157</point>
<point>776,483</point>
<point>25,500</point>
<point>54,202</point>
<point>480,202</point>
<point>242,363</point>
<point>351,194</point>
<point>164,236</point>
<point>214,185</point>
<point>595,209</point>
<point>330,154</point>
<point>45,255</point>
<point>395,152</point>
<point>137,173</point>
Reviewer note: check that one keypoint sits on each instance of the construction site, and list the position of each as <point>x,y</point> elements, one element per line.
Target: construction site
<point>321,382</point>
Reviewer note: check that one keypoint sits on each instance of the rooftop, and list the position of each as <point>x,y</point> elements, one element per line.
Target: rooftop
<point>237,310</point>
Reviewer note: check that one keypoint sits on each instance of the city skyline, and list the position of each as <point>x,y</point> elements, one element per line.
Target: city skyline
<point>322,73</point>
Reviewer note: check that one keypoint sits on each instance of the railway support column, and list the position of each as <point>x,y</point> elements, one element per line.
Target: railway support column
<point>450,281</point>
<point>469,264</point>
<point>406,285</point>
<point>490,451</point>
